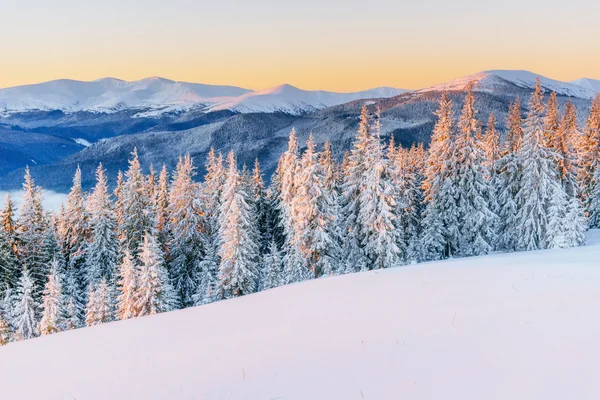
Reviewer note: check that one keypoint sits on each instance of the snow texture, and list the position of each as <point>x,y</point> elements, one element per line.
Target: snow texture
<point>502,326</point>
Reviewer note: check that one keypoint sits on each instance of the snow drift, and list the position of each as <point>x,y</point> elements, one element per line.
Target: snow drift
<point>505,326</point>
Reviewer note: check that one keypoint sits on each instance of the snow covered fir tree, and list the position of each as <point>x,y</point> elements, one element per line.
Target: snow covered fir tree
<point>160,242</point>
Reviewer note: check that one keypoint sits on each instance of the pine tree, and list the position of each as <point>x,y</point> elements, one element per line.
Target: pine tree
<point>590,149</point>
<point>128,286</point>
<point>476,217</point>
<point>552,123</point>
<point>154,292</point>
<point>538,179</point>
<point>137,212</point>
<point>259,200</point>
<point>508,181</point>
<point>492,147</point>
<point>25,308</point>
<point>354,257</point>
<point>272,271</point>
<point>9,266</point>
<point>102,251</point>
<point>162,211</point>
<point>377,214</point>
<point>8,223</point>
<point>32,227</point>
<point>239,251</point>
<point>315,218</point>
<point>99,306</point>
<point>575,223</point>
<point>564,150</point>
<point>52,302</point>
<point>186,228</point>
<point>207,290</point>
<point>439,234</point>
<point>74,234</point>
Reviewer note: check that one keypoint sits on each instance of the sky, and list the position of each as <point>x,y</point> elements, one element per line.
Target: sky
<point>313,44</point>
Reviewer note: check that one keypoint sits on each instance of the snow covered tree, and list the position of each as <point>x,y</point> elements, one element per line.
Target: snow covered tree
<point>102,251</point>
<point>476,217</point>
<point>9,265</point>
<point>377,214</point>
<point>492,147</point>
<point>239,251</point>
<point>137,212</point>
<point>32,227</point>
<point>589,150</point>
<point>154,292</point>
<point>260,202</point>
<point>508,181</point>
<point>439,224</point>
<point>162,211</point>
<point>575,223</point>
<point>128,286</point>
<point>538,179</point>
<point>315,214</point>
<point>25,308</point>
<point>565,148</point>
<point>74,233</point>
<point>8,223</point>
<point>99,306</point>
<point>552,124</point>
<point>272,275</point>
<point>52,302</point>
<point>207,290</point>
<point>186,228</point>
<point>354,258</point>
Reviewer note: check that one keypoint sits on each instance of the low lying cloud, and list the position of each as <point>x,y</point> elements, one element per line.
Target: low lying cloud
<point>51,200</point>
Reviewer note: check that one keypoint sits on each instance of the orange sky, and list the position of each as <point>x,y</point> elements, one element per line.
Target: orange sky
<point>334,45</point>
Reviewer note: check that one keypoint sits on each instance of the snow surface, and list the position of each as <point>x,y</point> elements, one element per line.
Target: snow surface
<point>82,142</point>
<point>290,99</point>
<point>155,96</point>
<point>496,79</point>
<point>592,84</point>
<point>505,326</point>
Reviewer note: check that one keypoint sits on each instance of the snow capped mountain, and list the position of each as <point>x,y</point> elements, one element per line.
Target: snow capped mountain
<point>110,94</point>
<point>157,95</point>
<point>496,80</point>
<point>290,99</point>
<point>467,328</point>
<point>592,84</point>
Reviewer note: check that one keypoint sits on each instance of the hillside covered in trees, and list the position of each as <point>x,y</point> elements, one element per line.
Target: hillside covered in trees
<point>158,242</point>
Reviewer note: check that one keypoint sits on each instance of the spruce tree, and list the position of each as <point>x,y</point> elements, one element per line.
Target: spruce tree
<point>25,308</point>
<point>99,306</point>
<point>377,214</point>
<point>590,149</point>
<point>186,227</point>
<point>315,214</point>
<point>272,270</point>
<point>154,292</point>
<point>102,250</point>
<point>162,211</point>
<point>239,251</point>
<point>128,286</point>
<point>137,211</point>
<point>508,181</point>
<point>538,179</point>
<point>476,218</point>
<point>53,302</point>
<point>9,265</point>
<point>439,235</point>
<point>354,258</point>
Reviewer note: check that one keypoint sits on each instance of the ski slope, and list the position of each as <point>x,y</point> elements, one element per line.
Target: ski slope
<point>505,326</point>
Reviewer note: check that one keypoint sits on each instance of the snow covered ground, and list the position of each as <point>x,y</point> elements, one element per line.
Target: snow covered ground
<point>506,326</point>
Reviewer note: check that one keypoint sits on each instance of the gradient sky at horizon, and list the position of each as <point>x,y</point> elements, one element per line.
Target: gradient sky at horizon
<point>313,44</point>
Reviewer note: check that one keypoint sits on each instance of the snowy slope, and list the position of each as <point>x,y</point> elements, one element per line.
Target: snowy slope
<point>290,99</point>
<point>496,80</point>
<point>507,326</point>
<point>592,84</point>
<point>158,95</point>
